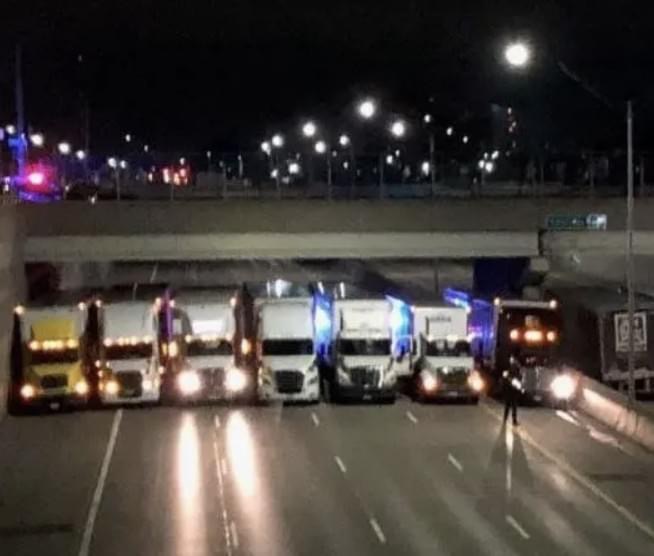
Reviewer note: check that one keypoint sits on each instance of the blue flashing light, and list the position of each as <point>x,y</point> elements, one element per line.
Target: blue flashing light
<point>400,323</point>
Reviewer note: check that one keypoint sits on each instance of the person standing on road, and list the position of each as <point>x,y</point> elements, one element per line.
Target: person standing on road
<point>512,378</point>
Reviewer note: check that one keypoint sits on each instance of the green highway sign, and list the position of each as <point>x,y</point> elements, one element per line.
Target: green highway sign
<point>575,222</point>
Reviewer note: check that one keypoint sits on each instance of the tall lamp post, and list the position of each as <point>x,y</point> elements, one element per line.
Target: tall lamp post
<point>518,55</point>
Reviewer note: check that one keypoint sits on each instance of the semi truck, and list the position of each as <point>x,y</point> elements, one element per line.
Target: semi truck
<point>204,326</point>
<point>128,366</point>
<point>361,356</point>
<point>596,340</point>
<point>442,362</point>
<point>49,365</point>
<point>288,369</point>
<point>529,331</point>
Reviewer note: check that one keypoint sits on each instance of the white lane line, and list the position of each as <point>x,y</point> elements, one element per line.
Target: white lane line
<point>519,528</point>
<point>567,417</point>
<point>455,462</point>
<point>411,417</point>
<point>99,487</point>
<point>581,479</point>
<point>378,530</point>
<point>315,419</point>
<point>216,421</point>
<point>340,464</point>
<point>234,531</point>
<point>223,466</point>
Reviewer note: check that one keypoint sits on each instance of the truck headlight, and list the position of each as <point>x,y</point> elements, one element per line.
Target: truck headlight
<point>475,381</point>
<point>429,382</point>
<point>188,382</point>
<point>27,391</point>
<point>81,387</point>
<point>235,380</point>
<point>148,385</point>
<point>111,387</point>
<point>563,387</point>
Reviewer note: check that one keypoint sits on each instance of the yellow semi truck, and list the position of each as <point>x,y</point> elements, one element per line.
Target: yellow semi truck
<point>49,362</point>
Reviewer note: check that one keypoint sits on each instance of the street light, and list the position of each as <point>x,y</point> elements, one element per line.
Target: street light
<point>427,118</point>
<point>128,138</point>
<point>37,139</point>
<point>146,148</point>
<point>64,148</point>
<point>320,147</point>
<point>344,141</point>
<point>265,147</point>
<point>293,168</point>
<point>123,164</point>
<point>277,141</point>
<point>449,131</point>
<point>10,129</point>
<point>309,129</point>
<point>367,108</point>
<point>398,128</point>
<point>80,155</point>
<point>112,162</point>
<point>517,54</point>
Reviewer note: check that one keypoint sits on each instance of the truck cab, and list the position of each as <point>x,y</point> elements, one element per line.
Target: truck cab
<point>128,367</point>
<point>288,370</point>
<point>442,362</point>
<point>204,326</point>
<point>52,368</point>
<point>361,351</point>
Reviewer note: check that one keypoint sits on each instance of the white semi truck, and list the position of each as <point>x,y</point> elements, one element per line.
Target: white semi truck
<point>129,367</point>
<point>288,369</point>
<point>361,353</point>
<point>204,325</point>
<point>442,363</point>
<point>49,366</point>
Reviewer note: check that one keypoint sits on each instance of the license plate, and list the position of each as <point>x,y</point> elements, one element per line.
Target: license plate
<point>55,406</point>
<point>128,393</point>
<point>367,397</point>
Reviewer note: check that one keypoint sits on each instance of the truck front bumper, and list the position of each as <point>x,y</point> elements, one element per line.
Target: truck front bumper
<point>310,392</point>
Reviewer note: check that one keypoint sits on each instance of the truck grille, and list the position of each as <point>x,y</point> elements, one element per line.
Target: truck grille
<point>456,376</point>
<point>130,383</point>
<point>54,381</point>
<point>212,378</point>
<point>364,377</point>
<point>289,382</point>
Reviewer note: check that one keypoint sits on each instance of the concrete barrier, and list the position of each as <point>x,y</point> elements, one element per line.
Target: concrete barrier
<point>612,408</point>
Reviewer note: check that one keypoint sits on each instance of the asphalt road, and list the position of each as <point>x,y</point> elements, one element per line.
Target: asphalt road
<point>402,479</point>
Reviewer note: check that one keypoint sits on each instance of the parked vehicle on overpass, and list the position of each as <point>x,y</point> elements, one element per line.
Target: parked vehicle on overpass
<point>49,366</point>
<point>442,361</point>
<point>360,356</point>
<point>288,370</point>
<point>204,325</point>
<point>129,365</point>
<point>527,329</point>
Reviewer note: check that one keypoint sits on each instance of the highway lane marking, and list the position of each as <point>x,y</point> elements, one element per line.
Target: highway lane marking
<point>234,531</point>
<point>455,462</point>
<point>581,479</point>
<point>378,530</point>
<point>519,528</point>
<point>223,506</point>
<point>411,417</point>
<point>315,419</point>
<point>567,417</point>
<point>99,487</point>
<point>216,421</point>
<point>340,464</point>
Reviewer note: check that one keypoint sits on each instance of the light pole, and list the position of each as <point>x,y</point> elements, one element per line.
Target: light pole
<point>309,130</point>
<point>345,142</point>
<point>321,148</point>
<point>277,142</point>
<point>518,55</point>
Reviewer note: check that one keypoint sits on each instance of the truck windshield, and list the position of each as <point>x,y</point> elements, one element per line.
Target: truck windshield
<point>287,347</point>
<point>198,347</point>
<point>139,351</point>
<point>444,349</point>
<point>364,347</point>
<point>51,357</point>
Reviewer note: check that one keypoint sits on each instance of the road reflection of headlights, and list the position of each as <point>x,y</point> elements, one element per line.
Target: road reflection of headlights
<point>188,382</point>
<point>235,380</point>
<point>429,382</point>
<point>563,387</point>
<point>475,381</point>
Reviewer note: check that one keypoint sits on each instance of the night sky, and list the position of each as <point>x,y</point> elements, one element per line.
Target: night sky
<point>221,75</point>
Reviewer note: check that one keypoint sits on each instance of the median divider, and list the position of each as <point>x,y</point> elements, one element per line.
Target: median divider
<point>635,421</point>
